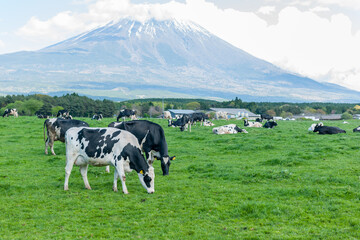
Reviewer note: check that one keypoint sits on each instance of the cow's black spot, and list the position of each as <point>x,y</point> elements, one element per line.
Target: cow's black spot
<point>137,160</point>
<point>147,180</point>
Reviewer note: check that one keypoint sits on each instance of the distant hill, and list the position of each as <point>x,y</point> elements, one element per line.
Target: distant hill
<point>129,59</point>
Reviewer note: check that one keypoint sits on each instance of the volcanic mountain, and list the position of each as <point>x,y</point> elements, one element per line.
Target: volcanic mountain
<point>130,59</point>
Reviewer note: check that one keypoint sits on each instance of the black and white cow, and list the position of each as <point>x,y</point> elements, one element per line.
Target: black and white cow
<point>184,122</point>
<point>228,129</point>
<point>198,117</point>
<point>328,130</point>
<point>63,114</point>
<point>356,129</point>
<point>266,117</point>
<point>270,124</point>
<point>252,124</point>
<point>151,138</point>
<point>11,111</point>
<point>126,113</point>
<point>312,127</point>
<point>56,129</point>
<point>106,146</point>
<point>98,117</point>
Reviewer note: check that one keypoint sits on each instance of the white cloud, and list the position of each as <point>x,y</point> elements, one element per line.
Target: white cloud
<point>301,41</point>
<point>355,4</point>
<point>267,10</point>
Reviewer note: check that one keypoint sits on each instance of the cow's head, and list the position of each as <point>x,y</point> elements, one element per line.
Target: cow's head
<point>240,130</point>
<point>317,127</point>
<point>165,163</point>
<point>147,179</point>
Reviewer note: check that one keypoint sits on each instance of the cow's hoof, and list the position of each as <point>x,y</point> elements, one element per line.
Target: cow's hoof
<point>66,188</point>
<point>115,189</point>
<point>125,192</point>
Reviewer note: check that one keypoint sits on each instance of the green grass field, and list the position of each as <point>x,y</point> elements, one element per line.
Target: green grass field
<point>282,183</point>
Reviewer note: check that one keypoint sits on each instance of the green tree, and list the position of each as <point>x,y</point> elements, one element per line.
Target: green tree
<point>31,106</point>
<point>54,110</point>
<point>193,105</point>
<point>346,116</point>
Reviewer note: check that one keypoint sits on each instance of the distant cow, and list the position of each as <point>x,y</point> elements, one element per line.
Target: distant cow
<point>97,117</point>
<point>356,129</point>
<point>270,124</point>
<point>221,114</point>
<point>198,117</point>
<point>266,117</point>
<point>126,113</point>
<point>228,129</point>
<point>43,115</point>
<point>328,130</point>
<point>56,129</point>
<point>63,114</point>
<point>151,138</point>
<point>11,111</point>
<point>252,124</point>
<point>312,127</point>
<point>106,146</point>
<point>207,123</point>
<point>184,122</point>
<point>167,115</point>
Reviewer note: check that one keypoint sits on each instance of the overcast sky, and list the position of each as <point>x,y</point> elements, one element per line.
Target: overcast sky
<point>316,38</point>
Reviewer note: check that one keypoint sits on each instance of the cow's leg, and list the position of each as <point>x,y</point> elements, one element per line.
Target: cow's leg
<point>119,172</point>
<point>51,143</point>
<point>189,127</point>
<point>68,168</point>
<point>107,169</point>
<point>46,145</point>
<point>83,171</point>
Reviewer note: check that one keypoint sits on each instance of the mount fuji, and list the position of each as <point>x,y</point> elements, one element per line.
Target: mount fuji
<point>129,59</point>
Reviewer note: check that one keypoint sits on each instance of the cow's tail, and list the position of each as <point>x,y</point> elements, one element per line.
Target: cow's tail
<point>44,129</point>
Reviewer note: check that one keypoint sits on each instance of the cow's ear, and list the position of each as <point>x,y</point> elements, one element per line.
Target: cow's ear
<point>172,158</point>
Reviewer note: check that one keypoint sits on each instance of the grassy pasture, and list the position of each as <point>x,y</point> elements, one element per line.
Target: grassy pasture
<point>282,183</point>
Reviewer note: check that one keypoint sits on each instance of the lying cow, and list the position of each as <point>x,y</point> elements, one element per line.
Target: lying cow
<point>151,138</point>
<point>356,129</point>
<point>126,113</point>
<point>228,129</point>
<point>11,111</point>
<point>184,122</point>
<point>252,124</point>
<point>56,129</point>
<point>208,124</point>
<point>106,146</point>
<point>312,127</point>
<point>270,124</point>
<point>97,117</point>
<point>328,130</point>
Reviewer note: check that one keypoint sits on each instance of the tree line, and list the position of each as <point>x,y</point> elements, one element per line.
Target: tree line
<point>82,106</point>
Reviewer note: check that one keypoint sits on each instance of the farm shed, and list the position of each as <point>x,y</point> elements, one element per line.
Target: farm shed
<point>237,113</point>
<point>177,113</point>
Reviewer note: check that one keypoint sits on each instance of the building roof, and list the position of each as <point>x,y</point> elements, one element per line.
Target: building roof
<point>181,111</point>
<point>235,111</point>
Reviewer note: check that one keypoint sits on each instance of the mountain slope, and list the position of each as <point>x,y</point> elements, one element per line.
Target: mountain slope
<point>130,59</point>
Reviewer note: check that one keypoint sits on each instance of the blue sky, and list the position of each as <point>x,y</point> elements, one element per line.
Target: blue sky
<point>315,38</point>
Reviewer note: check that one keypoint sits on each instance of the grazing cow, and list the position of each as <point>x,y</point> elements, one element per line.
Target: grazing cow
<point>97,117</point>
<point>11,111</point>
<point>228,129</point>
<point>208,124</point>
<point>106,146</point>
<point>126,113</point>
<point>270,124</point>
<point>63,114</point>
<point>56,129</point>
<point>184,122</point>
<point>312,127</point>
<point>252,124</point>
<point>151,138</point>
<point>43,116</point>
<point>198,117</point>
<point>328,130</point>
<point>356,129</point>
<point>221,115</point>
<point>266,117</point>
<point>167,115</point>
